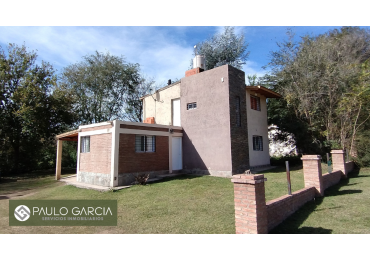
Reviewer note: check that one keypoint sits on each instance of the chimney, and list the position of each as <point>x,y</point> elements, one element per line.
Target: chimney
<point>199,65</point>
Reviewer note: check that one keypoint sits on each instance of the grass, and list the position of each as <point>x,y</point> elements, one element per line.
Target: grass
<point>343,210</point>
<point>205,204</point>
<point>181,205</point>
<point>31,181</point>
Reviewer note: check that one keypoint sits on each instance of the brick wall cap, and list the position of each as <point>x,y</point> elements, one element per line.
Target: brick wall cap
<point>248,176</point>
<point>337,151</point>
<point>311,157</point>
<point>248,181</point>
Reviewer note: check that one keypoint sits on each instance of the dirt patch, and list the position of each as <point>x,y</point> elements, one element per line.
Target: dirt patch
<point>22,193</point>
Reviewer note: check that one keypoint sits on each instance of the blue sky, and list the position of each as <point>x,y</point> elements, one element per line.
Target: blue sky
<point>163,52</point>
<point>64,32</point>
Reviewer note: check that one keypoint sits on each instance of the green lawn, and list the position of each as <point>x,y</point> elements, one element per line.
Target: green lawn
<point>204,205</point>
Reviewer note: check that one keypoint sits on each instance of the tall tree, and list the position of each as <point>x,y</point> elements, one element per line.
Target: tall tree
<point>314,74</point>
<point>134,106</point>
<point>224,48</point>
<point>30,113</point>
<point>100,83</point>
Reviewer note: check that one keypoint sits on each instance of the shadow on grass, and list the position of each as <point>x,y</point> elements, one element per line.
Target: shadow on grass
<point>180,177</point>
<point>36,174</point>
<point>292,225</point>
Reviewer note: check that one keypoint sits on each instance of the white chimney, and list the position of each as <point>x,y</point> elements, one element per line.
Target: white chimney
<point>199,61</point>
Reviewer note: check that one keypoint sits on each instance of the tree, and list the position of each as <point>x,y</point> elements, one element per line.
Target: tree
<point>100,85</point>
<point>134,106</point>
<point>313,75</point>
<point>224,48</point>
<point>30,112</point>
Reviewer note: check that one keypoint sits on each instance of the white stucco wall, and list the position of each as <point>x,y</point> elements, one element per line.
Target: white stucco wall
<point>161,109</point>
<point>257,125</point>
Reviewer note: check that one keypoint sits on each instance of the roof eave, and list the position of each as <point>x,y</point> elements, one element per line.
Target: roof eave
<point>264,91</point>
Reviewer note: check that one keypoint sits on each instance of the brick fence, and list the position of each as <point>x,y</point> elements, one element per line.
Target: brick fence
<point>254,216</point>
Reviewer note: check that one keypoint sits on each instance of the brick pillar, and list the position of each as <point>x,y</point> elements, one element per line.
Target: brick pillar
<point>312,173</point>
<point>250,204</point>
<point>338,157</point>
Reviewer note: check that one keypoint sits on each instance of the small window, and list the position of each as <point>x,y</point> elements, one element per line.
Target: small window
<point>85,144</point>
<point>257,143</point>
<point>190,106</point>
<point>238,119</point>
<point>145,144</point>
<point>255,103</point>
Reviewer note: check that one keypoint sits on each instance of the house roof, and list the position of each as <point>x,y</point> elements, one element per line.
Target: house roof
<point>264,91</point>
<point>68,136</point>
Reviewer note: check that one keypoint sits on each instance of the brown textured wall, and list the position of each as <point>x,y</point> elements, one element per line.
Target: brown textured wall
<point>98,160</point>
<point>132,162</point>
<point>238,134</point>
<point>206,140</point>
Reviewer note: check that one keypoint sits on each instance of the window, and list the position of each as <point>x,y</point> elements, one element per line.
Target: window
<point>257,143</point>
<point>85,144</point>
<point>238,120</point>
<point>255,103</point>
<point>144,144</point>
<point>190,106</point>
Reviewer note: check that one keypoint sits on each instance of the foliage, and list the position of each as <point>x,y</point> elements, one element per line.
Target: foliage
<point>280,161</point>
<point>100,84</point>
<point>31,113</point>
<point>224,48</point>
<point>319,77</point>
<point>141,178</point>
<point>134,106</point>
<point>253,80</point>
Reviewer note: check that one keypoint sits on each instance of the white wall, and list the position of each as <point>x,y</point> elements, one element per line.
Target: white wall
<point>257,125</point>
<point>161,109</point>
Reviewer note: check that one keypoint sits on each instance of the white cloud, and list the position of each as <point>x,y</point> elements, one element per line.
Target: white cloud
<point>159,52</point>
<point>252,68</point>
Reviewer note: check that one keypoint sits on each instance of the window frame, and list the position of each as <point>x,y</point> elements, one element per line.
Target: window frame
<point>145,144</point>
<point>257,103</point>
<point>83,144</point>
<point>191,106</point>
<point>255,142</point>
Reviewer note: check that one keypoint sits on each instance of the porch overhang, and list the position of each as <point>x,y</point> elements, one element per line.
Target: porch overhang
<point>264,91</point>
<point>68,136</point>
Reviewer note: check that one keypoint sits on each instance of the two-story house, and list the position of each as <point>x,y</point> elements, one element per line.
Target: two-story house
<point>209,122</point>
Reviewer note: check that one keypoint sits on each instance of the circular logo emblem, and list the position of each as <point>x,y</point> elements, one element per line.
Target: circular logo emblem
<point>22,213</point>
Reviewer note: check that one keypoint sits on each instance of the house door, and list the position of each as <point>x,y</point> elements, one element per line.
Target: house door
<point>176,153</point>
<point>176,112</point>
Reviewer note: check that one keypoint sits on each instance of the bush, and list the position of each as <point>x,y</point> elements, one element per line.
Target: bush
<point>141,178</point>
<point>280,161</point>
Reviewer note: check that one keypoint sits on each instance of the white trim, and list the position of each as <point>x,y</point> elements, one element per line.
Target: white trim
<point>78,155</point>
<point>95,125</point>
<point>147,132</point>
<point>149,125</point>
<point>97,132</point>
<point>114,154</point>
<point>170,154</point>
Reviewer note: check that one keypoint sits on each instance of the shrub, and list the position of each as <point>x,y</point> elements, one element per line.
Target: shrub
<point>280,161</point>
<point>142,178</point>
